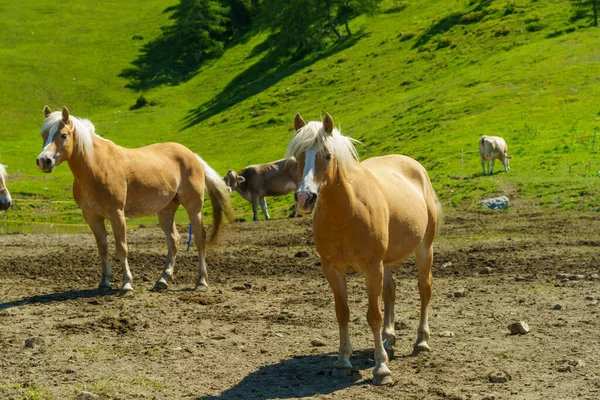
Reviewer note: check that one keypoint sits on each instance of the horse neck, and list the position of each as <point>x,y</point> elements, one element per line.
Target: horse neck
<point>83,168</point>
<point>337,196</point>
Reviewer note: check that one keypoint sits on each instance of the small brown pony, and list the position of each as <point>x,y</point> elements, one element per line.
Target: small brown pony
<point>112,182</point>
<point>5,200</point>
<point>367,216</point>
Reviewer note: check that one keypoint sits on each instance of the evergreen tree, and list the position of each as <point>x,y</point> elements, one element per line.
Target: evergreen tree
<point>586,8</point>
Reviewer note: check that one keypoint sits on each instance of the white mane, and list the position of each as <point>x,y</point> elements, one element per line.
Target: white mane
<point>84,131</point>
<point>2,173</point>
<point>313,136</point>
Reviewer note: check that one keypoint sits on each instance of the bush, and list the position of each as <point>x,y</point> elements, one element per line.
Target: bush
<point>502,31</point>
<point>444,42</point>
<point>470,18</point>
<point>404,36</point>
<point>534,27</point>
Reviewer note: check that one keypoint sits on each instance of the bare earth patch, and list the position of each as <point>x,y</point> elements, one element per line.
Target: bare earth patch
<point>266,328</point>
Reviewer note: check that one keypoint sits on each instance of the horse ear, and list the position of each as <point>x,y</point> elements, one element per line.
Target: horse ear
<point>47,111</point>
<point>328,123</point>
<point>298,122</point>
<point>240,179</point>
<point>65,114</point>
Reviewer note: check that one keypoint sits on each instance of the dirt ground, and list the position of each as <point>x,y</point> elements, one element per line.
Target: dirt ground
<point>267,329</point>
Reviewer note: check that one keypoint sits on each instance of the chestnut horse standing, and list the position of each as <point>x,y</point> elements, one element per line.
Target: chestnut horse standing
<point>5,200</point>
<point>112,182</point>
<point>367,216</point>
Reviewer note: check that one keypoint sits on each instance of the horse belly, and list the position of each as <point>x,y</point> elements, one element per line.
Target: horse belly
<point>143,203</point>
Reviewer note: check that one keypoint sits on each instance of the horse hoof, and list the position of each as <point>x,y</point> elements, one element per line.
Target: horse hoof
<point>201,288</point>
<point>421,347</point>
<point>104,288</point>
<point>382,380</point>
<point>389,350</point>
<point>126,292</point>
<point>341,372</point>
<point>159,287</point>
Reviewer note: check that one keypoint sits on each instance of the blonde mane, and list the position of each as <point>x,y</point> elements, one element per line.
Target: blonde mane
<point>84,131</point>
<point>314,137</point>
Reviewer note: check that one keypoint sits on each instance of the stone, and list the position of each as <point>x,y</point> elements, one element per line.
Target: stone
<point>499,377</point>
<point>576,277</point>
<point>399,325</point>
<point>557,307</point>
<point>576,363</point>
<point>489,397</point>
<point>34,342</point>
<point>562,276</point>
<point>318,343</point>
<point>486,271</point>
<point>594,277</point>
<point>447,334</point>
<point>565,368</point>
<point>520,328</point>
<point>87,396</point>
<point>459,293</point>
<point>496,203</point>
<point>590,298</point>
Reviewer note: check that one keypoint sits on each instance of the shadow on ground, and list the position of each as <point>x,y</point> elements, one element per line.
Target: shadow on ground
<point>302,376</point>
<point>57,297</point>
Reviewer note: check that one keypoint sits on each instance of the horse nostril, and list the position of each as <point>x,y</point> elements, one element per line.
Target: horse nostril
<point>48,161</point>
<point>312,198</point>
<point>296,196</point>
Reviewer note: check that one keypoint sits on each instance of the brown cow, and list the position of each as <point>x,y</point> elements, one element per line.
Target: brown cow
<point>255,182</point>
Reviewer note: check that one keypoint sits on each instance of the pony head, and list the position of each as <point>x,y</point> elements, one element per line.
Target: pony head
<point>5,200</point>
<point>321,152</point>
<point>63,135</point>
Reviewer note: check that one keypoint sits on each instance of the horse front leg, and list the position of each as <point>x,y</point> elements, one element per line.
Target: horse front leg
<point>96,223</point>
<point>254,201</point>
<point>337,282</point>
<point>374,275</point>
<point>117,221</point>
<point>263,205</point>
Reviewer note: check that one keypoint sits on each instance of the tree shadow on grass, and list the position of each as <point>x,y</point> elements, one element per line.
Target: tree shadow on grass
<point>447,23</point>
<point>57,297</point>
<point>303,376</point>
<point>259,77</point>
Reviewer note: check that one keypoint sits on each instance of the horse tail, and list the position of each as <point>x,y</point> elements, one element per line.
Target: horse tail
<point>219,198</point>
<point>440,213</point>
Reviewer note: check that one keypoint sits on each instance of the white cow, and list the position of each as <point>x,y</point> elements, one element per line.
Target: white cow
<point>493,148</point>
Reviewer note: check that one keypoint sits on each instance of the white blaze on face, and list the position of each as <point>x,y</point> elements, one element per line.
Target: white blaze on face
<point>45,152</point>
<point>307,184</point>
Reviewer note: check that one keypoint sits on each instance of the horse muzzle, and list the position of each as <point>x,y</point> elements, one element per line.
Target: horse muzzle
<point>305,201</point>
<point>45,163</point>
<point>5,200</point>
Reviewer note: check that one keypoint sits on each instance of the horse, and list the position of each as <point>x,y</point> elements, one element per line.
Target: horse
<point>367,216</point>
<point>254,182</point>
<point>112,183</point>
<point>5,199</point>
<point>492,148</point>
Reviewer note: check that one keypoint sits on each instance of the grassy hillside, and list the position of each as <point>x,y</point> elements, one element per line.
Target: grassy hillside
<point>425,79</point>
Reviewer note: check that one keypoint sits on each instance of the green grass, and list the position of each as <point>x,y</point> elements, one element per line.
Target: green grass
<point>425,79</point>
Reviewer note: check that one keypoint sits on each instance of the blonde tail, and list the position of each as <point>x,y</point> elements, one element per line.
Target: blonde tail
<point>219,198</point>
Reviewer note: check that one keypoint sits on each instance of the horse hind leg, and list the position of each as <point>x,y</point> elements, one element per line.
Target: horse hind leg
<point>424,256</point>
<point>166,219</point>
<point>389,300</point>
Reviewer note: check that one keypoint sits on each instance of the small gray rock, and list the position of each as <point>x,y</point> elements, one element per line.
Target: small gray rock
<point>486,271</point>
<point>594,277</point>
<point>88,396</point>
<point>557,307</point>
<point>499,377</point>
<point>562,276</point>
<point>576,277</point>
<point>520,278</point>
<point>459,293</point>
<point>489,397</point>
<point>576,363</point>
<point>399,325</point>
<point>520,328</point>
<point>318,343</point>
<point>446,334</point>
<point>590,298</point>
<point>565,368</point>
<point>496,203</point>
<point>34,342</point>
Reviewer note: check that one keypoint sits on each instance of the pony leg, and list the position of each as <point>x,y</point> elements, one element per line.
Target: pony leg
<point>424,257</point>
<point>199,240</point>
<point>492,170</point>
<point>254,202</point>
<point>389,300</point>
<point>263,205</point>
<point>117,221</point>
<point>166,219</point>
<point>337,282</point>
<point>97,225</point>
<point>381,374</point>
<point>483,164</point>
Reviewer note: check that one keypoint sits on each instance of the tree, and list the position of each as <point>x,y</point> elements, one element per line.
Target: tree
<point>349,8</point>
<point>583,9</point>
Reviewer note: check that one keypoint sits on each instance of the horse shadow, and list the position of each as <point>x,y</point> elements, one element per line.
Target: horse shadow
<point>57,297</point>
<point>300,376</point>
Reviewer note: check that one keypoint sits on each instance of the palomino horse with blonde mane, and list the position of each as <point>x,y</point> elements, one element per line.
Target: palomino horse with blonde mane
<point>112,182</point>
<point>367,216</point>
<point>5,200</point>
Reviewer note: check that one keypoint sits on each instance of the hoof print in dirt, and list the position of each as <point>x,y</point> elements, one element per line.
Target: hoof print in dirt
<point>499,377</point>
<point>34,342</point>
<point>518,328</point>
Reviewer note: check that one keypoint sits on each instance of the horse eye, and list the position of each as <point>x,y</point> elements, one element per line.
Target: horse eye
<point>328,156</point>
<point>63,135</point>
